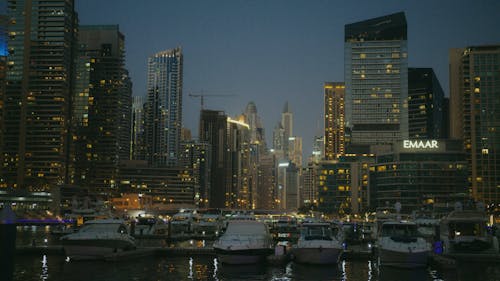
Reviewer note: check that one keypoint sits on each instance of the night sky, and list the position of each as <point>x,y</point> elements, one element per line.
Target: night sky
<point>273,51</point>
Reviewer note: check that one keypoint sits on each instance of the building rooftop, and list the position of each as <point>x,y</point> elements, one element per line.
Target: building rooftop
<point>389,27</point>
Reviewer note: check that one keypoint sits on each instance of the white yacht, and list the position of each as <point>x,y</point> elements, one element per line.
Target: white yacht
<point>209,223</point>
<point>184,222</point>
<point>465,233</point>
<point>399,244</point>
<point>97,239</point>
<point>150,225</point>
<point>317,245</point>
<point>244,242</point>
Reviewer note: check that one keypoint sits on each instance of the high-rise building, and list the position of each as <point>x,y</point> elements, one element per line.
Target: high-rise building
<point>3,72</point>
<point>287,125</point>
<point>295,150</point>
<point>138,138</point>
<point>256,129</point>
<point>318,150</point>
<point>474,115</point>
<point>213,130</point>
<point>266,186</point>
<point>101,119</point>
<point>40,76</point>
<point>308,195</point>
<point>164,107</point>
<point>425,105</point>
<point>288,191</point>
<point>334,120</point>
<point>195,156</point>
<point>376,80</point>
<point>239,177</point>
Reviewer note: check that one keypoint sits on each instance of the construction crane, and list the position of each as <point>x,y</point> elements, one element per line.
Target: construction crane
<point>202,96</point>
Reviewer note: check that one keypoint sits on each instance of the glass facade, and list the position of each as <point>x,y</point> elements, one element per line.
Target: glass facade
<point>425,105</point>
<point>164,107</point>
<point>419,177</point>
<point>334,119</point>
<point>39,81</point>
<point>376,80</point>
<point>474,99</point>
<point>101,108</point>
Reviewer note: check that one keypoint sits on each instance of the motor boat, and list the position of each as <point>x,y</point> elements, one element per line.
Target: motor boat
<point>184,222</point>
<point>286,229</point>
<point>149,225</point>
<point>98,238</point>
<point>428,228</point>
<point>465,232</point>
<point>244,242</point>
<point>367,232</point>
<point>399,244</point>
<point>209,224</point>
<point>317,244</point>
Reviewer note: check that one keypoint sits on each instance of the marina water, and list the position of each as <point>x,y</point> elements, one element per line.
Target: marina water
<point>56,267</point>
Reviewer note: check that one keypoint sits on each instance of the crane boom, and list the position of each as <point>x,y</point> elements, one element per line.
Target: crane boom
<point>202,96</point>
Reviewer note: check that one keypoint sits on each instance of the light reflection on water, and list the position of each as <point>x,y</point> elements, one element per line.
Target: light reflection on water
<point>58,268</point>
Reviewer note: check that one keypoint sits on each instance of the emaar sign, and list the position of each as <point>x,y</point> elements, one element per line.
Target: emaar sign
<point>421,144</point>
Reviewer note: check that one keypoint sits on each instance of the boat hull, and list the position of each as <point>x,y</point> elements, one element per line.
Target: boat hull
<point>318,255</point>
<point>387,257</point>
<point>95,249</point>
<point>250,256</point>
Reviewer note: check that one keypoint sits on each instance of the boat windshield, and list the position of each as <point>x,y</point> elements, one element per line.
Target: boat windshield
<point>399,230</point>
<point>180,218</point>
<point>467,229</point>
<point>316,232</point>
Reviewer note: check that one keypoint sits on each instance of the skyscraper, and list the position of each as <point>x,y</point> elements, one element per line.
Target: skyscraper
<point>138,127</point>
<point>164,107</point>
<point>213,130</point>
<point>425,105</point>
<point>334,120</point>
<point>40,76</point>
<point>474,115</point>
<point>3,71</point>
<point>376,80</point>
<point>287,124</point>
<point>101,107</point>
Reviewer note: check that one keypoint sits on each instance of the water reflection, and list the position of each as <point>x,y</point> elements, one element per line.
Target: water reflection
<point>316,272</point>
<point>387,273</point>
<point>242,272</point>
<point>45,268</point>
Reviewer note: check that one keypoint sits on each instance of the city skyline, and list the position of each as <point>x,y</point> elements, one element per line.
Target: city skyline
<point>266,40</point>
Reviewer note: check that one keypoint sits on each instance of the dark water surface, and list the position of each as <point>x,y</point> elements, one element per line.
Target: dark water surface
<point>56,268</point>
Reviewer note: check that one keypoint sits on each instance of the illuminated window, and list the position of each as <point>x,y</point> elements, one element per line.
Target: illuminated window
<point>362,56</point>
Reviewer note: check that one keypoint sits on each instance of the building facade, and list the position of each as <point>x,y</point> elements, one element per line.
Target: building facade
<point>425,105</point>
<point>418,173</point>
<point>101,111</point>
<point>334,93</point>
<point>39,81</point>
<point>195,156</point>
<point>138,134</point>
<point>171,187</point>
<point>475,118</point>
<point>213,130</point>
<point>376,80</point>
<point>164,107</point>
